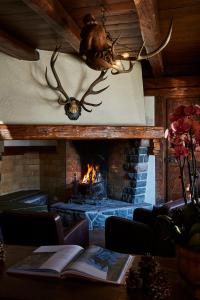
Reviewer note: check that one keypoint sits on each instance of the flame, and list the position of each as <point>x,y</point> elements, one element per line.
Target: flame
<point>90,175</point>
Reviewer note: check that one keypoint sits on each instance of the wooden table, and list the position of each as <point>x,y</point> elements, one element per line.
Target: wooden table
<point>29,288</point>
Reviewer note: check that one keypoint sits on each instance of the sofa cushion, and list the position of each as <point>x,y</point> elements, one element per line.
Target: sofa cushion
<point>30,196</point>
<point>28,199</point>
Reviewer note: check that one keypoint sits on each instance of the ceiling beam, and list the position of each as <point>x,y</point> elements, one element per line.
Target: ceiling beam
<point>16,48</point>
<point>60,21</point>
<point>149,26</point>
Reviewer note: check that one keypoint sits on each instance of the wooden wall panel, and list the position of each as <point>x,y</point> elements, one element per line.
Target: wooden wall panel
<point>177,86</point>
<point>160,159</point>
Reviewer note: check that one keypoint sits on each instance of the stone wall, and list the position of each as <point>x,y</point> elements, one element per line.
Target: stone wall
<point>117,178</point>
<point>73,167</point>
<point>19,172</point>
<point>34,170</point>
<point>53,172</point>
<point>136,166</point>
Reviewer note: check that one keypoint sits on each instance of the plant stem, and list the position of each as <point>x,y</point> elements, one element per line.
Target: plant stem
<point>192,171</point>
<point>181,167</point>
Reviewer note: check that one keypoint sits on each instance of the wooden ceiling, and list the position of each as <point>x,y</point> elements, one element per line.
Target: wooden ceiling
<point>28,25</point>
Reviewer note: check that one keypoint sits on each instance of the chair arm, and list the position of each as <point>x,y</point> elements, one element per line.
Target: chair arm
<point>128,236</point>
<point>143,215</point>
<point>164,231</point>
<point>77,234</point>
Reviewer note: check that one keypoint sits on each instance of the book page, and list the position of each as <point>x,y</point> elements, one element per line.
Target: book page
<point>102,264</point>
<point>54,248</point>
<point>61,256</point>
<point>52,259</point>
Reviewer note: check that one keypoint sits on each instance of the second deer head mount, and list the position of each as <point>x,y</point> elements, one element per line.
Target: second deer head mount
<point>98,48</point>
<point>73,106</point>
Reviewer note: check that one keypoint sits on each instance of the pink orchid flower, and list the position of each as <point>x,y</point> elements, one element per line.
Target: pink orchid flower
<point>181,125</point>
<point>180,150</point>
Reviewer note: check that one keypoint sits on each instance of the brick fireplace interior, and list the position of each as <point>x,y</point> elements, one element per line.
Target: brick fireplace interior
<point>123,165</point>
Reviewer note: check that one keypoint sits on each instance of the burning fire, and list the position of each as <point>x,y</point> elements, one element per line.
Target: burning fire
<point>91,175</point>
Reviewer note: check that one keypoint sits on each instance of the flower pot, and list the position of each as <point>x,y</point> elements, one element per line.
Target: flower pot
<point>188,262</point>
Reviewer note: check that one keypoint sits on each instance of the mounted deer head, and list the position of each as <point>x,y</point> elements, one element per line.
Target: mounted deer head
<point>97,48</point>
<point>73,106</point>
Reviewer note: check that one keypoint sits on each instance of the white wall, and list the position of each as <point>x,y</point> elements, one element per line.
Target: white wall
<point>150,196</point>
<point>25,97</point>
<point>149,103</point>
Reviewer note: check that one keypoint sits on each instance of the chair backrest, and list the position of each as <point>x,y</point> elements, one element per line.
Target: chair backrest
<point>174,204</point>
<point>31,228</point>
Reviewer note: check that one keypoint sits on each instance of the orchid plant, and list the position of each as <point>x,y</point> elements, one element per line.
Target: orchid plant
<point>184,139</point>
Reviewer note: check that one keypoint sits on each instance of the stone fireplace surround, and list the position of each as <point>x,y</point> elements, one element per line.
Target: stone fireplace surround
<point>117,187</point>
<point>126,164</point>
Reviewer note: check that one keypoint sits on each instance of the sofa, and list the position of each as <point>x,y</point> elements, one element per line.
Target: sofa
<point>28,200</point>
<point>147,233</point>
<point>41,228</point>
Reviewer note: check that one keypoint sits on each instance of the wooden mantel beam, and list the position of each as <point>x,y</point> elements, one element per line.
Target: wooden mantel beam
<point>16,48</point>
<point>56,16</point>
<point>149,26</point>
<point>78,132</point>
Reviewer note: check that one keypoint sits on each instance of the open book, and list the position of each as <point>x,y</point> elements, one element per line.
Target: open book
<point>94,263</point>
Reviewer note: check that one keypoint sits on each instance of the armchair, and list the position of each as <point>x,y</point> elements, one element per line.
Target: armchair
<point>41,228</point>
<point>146,233</point>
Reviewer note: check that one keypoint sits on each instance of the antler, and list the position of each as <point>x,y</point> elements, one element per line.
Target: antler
<point>159,49</point>
<point>123,70</point>
<point>140,57</point>
<point>90,91</point>
<point>59,87</point>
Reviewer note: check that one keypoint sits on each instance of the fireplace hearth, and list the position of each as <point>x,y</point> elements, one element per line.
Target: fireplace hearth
<point>96,214</point>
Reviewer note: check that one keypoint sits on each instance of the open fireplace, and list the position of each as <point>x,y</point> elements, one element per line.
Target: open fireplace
<point>104,178</point>
<point>107,169</point>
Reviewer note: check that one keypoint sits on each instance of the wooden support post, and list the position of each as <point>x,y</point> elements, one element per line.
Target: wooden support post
<point>161,161</point>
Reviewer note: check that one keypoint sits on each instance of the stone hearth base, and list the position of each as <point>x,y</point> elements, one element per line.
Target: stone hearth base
<point>96,214</point>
